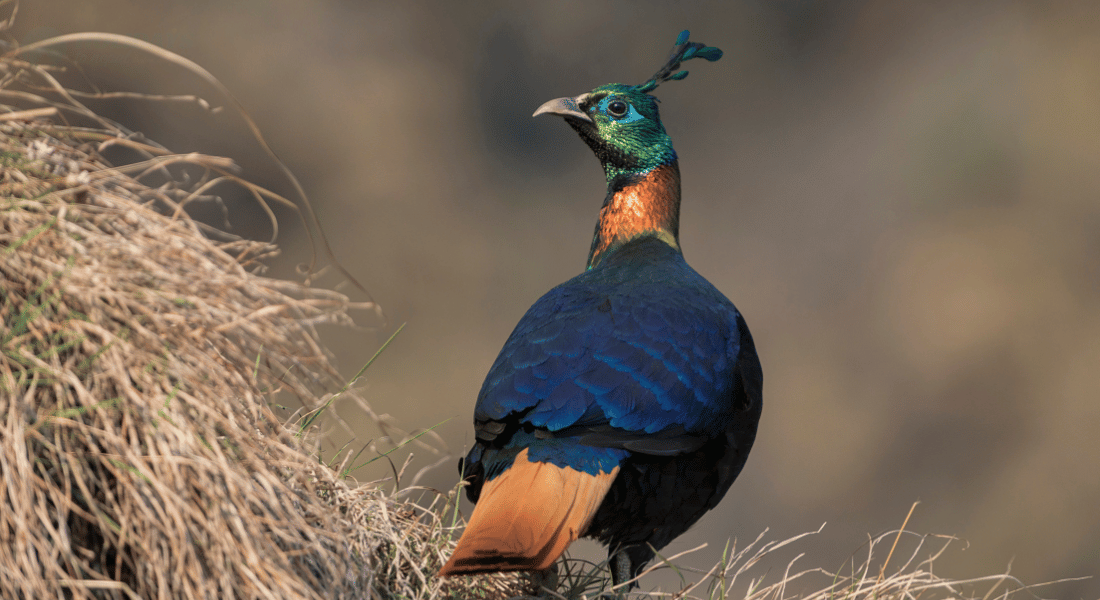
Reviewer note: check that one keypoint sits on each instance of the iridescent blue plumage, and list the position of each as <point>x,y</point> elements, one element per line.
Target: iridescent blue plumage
<point>636,382</point>
<point>642,337</point>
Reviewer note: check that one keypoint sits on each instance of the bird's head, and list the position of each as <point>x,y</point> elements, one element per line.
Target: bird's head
<point>621,123</point>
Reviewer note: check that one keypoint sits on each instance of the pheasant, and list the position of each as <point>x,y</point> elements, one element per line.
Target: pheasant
<point>626,400</point>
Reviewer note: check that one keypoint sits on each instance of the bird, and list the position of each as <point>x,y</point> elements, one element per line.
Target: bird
<point>626,400</point>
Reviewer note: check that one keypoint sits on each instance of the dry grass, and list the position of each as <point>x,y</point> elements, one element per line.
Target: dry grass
<point>896,565</point>
<point>138,353</point>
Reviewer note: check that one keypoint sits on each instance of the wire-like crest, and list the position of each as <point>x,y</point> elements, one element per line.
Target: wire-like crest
<point>683,50</point>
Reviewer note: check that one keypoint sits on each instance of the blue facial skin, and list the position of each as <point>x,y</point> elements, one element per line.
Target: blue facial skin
<point>629,116</point>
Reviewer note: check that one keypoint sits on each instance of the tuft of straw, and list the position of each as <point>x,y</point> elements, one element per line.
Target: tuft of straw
<point>139,457</point>
<point>137,453</point>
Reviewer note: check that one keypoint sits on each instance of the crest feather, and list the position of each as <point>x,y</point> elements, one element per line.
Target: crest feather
<point>683,50</point>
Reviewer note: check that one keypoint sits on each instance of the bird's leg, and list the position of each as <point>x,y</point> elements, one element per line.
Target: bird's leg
<point>621,569</point>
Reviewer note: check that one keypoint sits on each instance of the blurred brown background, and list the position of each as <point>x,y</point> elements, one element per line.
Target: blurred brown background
<point>902,198</point>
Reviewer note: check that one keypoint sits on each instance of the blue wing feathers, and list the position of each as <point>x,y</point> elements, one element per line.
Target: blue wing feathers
<point>598,380</point>
<point>590,459</point>
<point>636,349</point>
<point>528,355</point>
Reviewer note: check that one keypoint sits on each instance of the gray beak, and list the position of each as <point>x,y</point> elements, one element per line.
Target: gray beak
<point>563,107</point>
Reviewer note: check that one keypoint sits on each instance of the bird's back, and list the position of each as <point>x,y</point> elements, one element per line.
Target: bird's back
<point>639,364</point>
<point>642,337</point>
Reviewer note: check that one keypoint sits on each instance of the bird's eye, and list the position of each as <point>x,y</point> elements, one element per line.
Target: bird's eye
<point>616,108</point>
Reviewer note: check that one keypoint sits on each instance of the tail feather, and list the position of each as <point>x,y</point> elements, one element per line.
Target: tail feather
<point>527,516</point>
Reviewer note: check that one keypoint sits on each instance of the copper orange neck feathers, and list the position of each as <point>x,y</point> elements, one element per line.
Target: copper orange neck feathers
<point>647,204</point>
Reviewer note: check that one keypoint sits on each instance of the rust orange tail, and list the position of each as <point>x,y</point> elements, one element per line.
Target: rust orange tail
<point>526,517</point>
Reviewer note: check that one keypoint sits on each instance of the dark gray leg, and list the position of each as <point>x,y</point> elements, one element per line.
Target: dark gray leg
<point>619,563</point>
<point>621,569</point>
<point>627,563</point>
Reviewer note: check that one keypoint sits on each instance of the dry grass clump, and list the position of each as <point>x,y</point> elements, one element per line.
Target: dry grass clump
<point>137,453</point>
<point>138,353</point>
<point>896,565</point>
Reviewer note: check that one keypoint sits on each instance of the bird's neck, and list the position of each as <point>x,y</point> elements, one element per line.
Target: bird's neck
<point>637,205</point>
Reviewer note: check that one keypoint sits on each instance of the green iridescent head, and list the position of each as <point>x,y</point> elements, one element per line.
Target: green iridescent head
<point>621,124</point>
